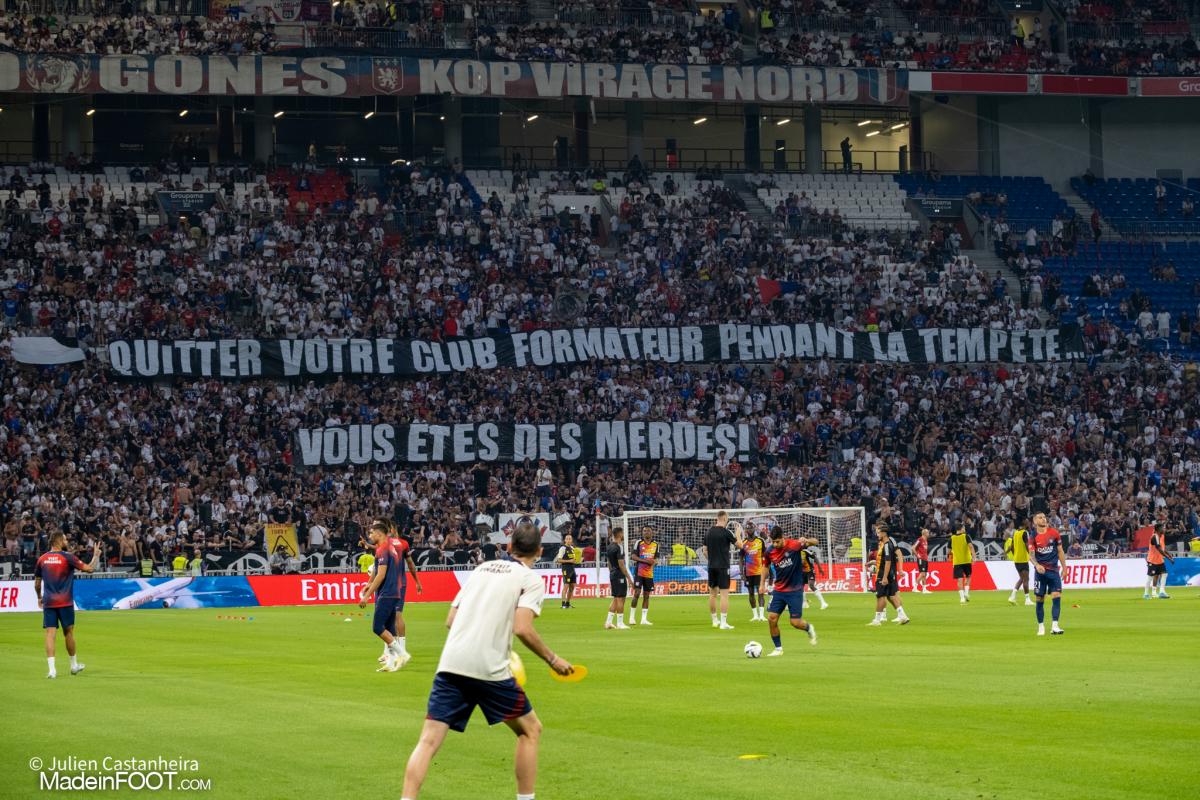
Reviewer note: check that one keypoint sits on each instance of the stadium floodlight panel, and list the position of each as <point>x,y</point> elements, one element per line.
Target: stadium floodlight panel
<point>368,115</point>
<point>183,113</point>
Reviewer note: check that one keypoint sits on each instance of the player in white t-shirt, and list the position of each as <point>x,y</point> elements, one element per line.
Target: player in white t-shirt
<point>501,598</point>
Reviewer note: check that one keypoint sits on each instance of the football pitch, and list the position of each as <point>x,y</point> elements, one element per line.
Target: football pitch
<point>963,703</point>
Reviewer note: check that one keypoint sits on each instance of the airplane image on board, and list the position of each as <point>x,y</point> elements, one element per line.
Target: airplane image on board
<point>173,593</point>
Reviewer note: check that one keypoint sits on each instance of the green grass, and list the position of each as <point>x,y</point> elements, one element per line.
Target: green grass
<point>964,703</point>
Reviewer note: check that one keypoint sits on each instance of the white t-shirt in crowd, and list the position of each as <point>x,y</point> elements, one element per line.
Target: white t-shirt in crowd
<point>480,639</point>
<point>543,476</point>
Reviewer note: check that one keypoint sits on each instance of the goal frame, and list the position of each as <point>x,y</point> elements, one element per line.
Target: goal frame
<point>837,573</point>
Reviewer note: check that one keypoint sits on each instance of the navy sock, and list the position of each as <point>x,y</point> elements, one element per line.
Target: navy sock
<point>1054,606</point>
<point>777,640</point>
<point>1041,612</point>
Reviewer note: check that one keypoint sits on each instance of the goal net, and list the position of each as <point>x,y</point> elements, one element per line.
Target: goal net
<point>681,567</point>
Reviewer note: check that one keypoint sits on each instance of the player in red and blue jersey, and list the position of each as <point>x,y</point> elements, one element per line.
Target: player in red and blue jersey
<point>385,585</point>
<point>784,557</point>
<point>403,550</point>
<point>55,571</point>
<point>1047,550</point>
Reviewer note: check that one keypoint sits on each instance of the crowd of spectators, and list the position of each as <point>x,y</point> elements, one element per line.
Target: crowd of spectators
<point>701,41</point>
<point>135,33</point>
<point>1135,57</point>
<point>205,464</point>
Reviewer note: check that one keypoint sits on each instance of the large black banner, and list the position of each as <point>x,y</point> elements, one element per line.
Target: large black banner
<point>509,442</point>
<point>304,359</point>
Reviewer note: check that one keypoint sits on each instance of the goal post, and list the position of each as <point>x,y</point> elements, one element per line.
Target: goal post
<point>682,568</point>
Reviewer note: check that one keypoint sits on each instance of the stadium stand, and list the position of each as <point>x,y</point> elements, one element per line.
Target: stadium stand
<point>1023,201</point>
<point>874,202</point>
<point>1136,207</point>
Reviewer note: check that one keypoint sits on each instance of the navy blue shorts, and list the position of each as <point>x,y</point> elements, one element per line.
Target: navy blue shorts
<point>54,617</point>
<point>454,697</point>
<point>1046,583</point>
<point>792,601</point>
<point>385,614</point>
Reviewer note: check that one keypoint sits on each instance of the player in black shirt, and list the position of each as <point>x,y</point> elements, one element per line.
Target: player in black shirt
<point>618,579</point>
<point>717,542</point>
<point>887,578</point>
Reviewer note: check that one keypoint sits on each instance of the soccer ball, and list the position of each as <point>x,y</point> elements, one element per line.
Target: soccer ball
<point>753,650</point>
<point>518,668</point>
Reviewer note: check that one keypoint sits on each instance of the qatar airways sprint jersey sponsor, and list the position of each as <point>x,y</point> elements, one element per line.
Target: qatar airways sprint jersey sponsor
<point>789,571</point>
<point>385,556</point>
<point>1045,548</point>
<point>57,571</point>
<point>752,556</point>
<point>647,550</point>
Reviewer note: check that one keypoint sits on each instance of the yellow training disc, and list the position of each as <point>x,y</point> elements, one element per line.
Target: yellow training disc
<point>518,668</point>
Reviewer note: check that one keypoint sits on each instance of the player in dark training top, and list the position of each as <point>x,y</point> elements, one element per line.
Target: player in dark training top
<point>385,585</point>
<point>784,557</point>
<point>54,585</point>
<point>618,580</point>
<point>717,542</point>
<point>1047,550</point>
<point>887,579</point>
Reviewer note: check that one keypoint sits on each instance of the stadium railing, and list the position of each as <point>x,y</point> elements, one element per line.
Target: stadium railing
<point>373,38</point>
<point>692,158</point>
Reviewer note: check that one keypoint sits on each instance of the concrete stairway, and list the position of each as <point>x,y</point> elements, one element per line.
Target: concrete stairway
<point>989,263</point>
<point>1084,210</point>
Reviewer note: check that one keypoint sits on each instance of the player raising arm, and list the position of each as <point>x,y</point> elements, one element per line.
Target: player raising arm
<point>1156,570</point>
<point>717,542</point>
<point>644,554</point>
<point>501,599</point>
<point>1048,557</point>
<point>784,556</point>
<point>57,568</point>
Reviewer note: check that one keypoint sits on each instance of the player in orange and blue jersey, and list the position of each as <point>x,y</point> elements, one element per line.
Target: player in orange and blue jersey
<point>644,554</point>
<point>784,556</point>
<point>752,570</point>
<point>55,573</point>
<point>385,585</point>
<point>1047,550</point>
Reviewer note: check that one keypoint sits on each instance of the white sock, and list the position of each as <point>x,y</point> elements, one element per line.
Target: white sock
<point>820,599</point>
<point>962,595</point>
<point>900,613</point>
<point>723,619</point>
<point>403,644</point>
<point>1149,585</point>
<point>967,591</point>
<point>608,620</point>
<point>1012,595</point>
<point>51,660</point>
<point>645,614</point>
<point>713,614</point>
<point>524,796</point>
<point>74,662</point>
